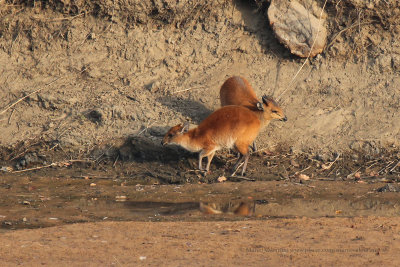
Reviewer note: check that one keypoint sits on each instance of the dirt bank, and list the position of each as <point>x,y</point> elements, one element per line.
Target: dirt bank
<point>302,241</point>
<point>104,70</point>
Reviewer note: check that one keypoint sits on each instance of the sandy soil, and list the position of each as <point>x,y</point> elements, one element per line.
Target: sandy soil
<point>288,242</point>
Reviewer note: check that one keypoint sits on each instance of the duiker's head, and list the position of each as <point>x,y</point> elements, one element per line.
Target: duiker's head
<point>175,132</point>
<point>271,109</point>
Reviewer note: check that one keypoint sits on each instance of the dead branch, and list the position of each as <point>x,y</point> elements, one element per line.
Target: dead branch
<point>23,98</point>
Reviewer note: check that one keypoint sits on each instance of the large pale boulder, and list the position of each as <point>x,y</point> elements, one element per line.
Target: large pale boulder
<point>299,25</point>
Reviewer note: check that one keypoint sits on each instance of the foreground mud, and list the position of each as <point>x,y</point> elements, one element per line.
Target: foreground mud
<point>116,221</point>
<point>298,241</point>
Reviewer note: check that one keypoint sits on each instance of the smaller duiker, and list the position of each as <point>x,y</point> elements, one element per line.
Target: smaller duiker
<point>228,127</point>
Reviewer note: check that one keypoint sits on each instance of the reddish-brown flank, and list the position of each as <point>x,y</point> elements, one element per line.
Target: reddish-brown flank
<point>238,91</point>
<point>235,125</point>
<point>228,127</point>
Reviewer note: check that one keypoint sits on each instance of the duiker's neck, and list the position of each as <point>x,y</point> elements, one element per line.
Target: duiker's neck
<point>187,141</point>
<point>264,119</point>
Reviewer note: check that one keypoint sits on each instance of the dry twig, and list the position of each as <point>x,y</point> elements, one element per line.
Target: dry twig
<point>54,164</point>
<point>146,128</point>
<point>188,89</point>
<point>242,178</point>
<point>394,167</point>
<point>327,167</point>
<point>9,118</point>
<point>309,54</point>
<point>60,19</point>
<point>23,98</point>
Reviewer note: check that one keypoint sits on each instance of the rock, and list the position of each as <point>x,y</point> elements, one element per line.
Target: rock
<point>221,179</point>
<point>298,28</point>
<point>384,62</point>
<point>389,188</point>
<point>28,159</point>
<point>118,112</point>
<point>396,62</point>
<point>6,169</point>
<point>294,163</point>
<point>158,131</point>
<point>153,86</point>
<point>324,157</point>
<point>48,101</point>
<point>303,176</point>
<point>95,116</point>
<point>120,198</point>
<point>140,149</point>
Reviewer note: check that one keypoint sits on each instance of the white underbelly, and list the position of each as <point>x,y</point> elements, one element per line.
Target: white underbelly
<point>226,142</point>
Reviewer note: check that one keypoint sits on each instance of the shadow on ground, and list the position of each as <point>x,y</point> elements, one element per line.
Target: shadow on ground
<point>191,109</point>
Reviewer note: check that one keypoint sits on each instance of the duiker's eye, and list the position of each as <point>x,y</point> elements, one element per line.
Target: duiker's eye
<point>275,111</point>
<point>169,135</point>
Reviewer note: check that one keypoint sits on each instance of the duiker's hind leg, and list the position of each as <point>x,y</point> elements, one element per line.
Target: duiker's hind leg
<point>254,146</point>
<point>246,159</point>
<point>236,165</point>
<point>244,156</point>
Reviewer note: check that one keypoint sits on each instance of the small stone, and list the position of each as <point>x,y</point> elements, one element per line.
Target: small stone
<point>221,179</point>
<point>303,177</point>
<point>370,5</point>
<point>396,62</point>
<point>120,198</point>
<point>6,169</point>
<point>384,62</point>
<point>294,163</point>
<point>389,188</point>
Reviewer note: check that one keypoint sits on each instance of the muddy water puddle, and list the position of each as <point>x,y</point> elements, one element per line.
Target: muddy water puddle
<point>37,201</point>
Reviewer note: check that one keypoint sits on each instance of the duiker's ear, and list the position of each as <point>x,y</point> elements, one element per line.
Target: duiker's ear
<point>185,127</point>
<point>260,106</point>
